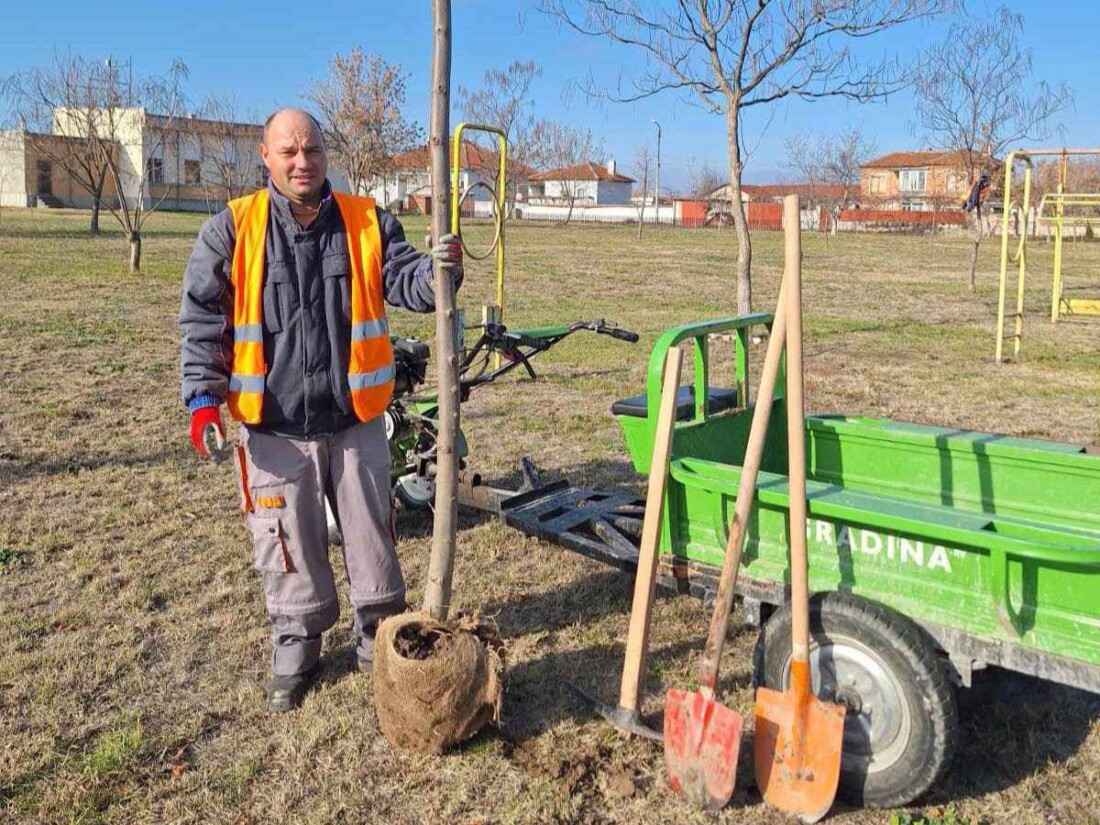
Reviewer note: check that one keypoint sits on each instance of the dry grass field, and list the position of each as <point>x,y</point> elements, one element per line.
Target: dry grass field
<point>133,651</point>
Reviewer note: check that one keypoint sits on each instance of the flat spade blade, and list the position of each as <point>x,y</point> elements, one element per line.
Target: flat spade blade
<point>702,741</point>
<point>797,749</point>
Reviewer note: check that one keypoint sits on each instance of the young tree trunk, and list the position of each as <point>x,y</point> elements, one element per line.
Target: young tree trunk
<point>740,221</point>
<point>437,598</point>
<point>569,214</point>
<point>97,197</point>
<point>977,231</point>
<point>135,252</point>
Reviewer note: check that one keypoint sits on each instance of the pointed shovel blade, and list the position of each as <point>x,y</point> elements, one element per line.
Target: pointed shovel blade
<point>702,742</point>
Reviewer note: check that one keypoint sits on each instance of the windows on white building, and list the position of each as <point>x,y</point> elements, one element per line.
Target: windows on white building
<point>911,180</point>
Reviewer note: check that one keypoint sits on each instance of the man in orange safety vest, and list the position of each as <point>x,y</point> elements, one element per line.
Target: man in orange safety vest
<point>283,320</point>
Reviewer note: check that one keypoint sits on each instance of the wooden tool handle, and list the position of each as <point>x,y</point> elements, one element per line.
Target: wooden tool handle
<point>637,638</point>
<point>746,492</point>
<point>796,453</point>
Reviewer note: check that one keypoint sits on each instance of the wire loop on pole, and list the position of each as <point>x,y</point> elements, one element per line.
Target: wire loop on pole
<point>498,219</point>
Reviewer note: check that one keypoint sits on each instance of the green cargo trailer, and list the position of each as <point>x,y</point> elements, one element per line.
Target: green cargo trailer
<point>933,553</point>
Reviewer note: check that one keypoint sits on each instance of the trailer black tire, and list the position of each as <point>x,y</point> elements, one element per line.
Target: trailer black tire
<point>882,657</point>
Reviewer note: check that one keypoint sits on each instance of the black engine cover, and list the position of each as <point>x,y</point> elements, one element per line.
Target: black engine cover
<point>410,359</point>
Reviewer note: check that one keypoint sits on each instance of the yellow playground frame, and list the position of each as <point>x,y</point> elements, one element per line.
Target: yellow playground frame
<point>1059,305</point>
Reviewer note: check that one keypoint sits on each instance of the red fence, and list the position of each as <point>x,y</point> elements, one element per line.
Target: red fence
<point>764,215</point>
<point>900,217</point>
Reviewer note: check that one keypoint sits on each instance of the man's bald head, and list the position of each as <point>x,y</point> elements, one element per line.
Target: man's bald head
<point>293,150</point>
<point>292,113</point>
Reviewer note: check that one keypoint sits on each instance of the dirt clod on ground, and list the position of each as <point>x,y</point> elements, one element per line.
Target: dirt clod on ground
<point>436,683</point>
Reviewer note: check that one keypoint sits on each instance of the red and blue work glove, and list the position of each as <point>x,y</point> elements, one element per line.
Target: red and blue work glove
<point>207,433</point>
<point>448,252</point>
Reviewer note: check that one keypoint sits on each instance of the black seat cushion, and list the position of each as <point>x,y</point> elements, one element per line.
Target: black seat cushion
<point>718,399</point>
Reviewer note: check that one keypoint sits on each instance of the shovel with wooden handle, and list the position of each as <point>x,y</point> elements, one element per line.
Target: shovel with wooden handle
<point>703,736</point>
<point>625,716</point>
<point>798,736</point>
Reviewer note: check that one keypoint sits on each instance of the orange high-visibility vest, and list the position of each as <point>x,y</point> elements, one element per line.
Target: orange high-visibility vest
<point>370,363</point>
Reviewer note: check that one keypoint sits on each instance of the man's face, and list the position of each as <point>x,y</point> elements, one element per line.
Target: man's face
<point>294,154</point>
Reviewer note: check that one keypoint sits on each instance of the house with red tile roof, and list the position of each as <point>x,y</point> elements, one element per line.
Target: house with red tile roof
<point>920,181</point>
<point>586,184</point>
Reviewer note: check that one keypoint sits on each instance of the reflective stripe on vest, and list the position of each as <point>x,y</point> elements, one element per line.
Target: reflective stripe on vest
<point>370,360</point>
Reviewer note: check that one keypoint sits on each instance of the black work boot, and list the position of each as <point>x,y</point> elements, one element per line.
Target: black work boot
<point>364,652</point>
<point>286,692</point>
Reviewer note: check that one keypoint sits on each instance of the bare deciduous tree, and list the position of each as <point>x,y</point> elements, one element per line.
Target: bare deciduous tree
<point>830,165</point>
<point>504,100</point>
<point>97,130</point>
<point>736,54</point>
<point>558,146</point>
<point>643,163</point>
<point>228,159</point>
<point>806,158</point>
<point>845,154</point>
<point>704,178</point>
<point>136,183</point>
<point>975,96</point>
<point>359,104</point>
<point>87,91</point>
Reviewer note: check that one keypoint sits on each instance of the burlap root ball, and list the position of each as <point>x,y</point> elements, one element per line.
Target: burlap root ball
<point>436,684</point>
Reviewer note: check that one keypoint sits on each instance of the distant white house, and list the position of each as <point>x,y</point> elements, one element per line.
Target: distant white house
<point>408,186</point>
<point>587,184</point>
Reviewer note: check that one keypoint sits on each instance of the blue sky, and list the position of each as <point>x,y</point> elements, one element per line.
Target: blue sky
<point>265,54</point>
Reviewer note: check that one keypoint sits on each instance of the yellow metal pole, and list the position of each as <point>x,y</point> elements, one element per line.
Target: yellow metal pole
<point>1022,256</point>
<point>502,201</point>
<point>1009,161</point>
<point>456,190</point>
<point>1059,212</point>
<point>500,193</point>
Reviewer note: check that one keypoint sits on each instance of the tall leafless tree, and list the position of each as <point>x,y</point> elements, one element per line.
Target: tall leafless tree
<point>558,146</point>
<point>504,100</point>
<point>830,164</point>
<point>704,178</point>
<point>99,128</point>
<point>88,92</point>
<point>733,55</point>
<point>228,160</point>
<point>360,107</point>
<point>845,154</point>
<point>643,163</point>
<point>975,96</point>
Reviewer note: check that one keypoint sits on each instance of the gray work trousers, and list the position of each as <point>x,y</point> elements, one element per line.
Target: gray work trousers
<point>284,484</point>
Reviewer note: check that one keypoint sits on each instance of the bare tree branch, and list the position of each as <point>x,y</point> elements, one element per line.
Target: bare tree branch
<point>504,100</point>
<point>975,96</point>
<point>359,104</point>
<point>736,54</point>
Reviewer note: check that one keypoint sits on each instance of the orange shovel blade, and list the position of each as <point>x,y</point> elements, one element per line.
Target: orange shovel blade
<point>797,750</point>
<point>702,740</point>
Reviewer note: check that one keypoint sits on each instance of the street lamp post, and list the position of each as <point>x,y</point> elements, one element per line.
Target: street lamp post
<point>657,183</point>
